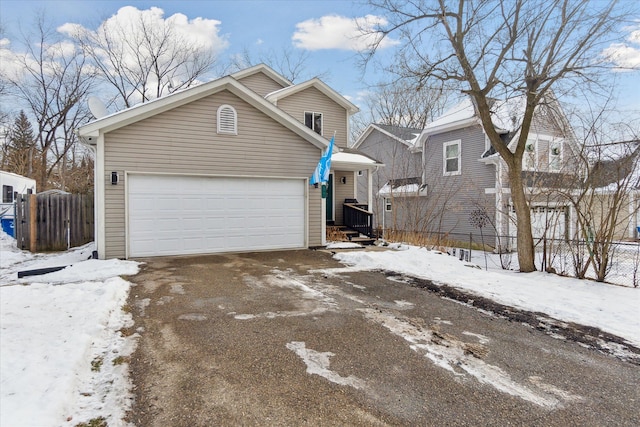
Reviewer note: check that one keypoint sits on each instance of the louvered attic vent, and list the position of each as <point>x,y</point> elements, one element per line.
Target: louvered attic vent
<point>227,120</point>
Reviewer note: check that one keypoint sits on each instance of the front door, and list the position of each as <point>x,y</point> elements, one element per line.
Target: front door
<point>330,198</point>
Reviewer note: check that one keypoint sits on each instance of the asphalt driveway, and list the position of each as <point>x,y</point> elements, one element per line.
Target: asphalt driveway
<point>295,338</point>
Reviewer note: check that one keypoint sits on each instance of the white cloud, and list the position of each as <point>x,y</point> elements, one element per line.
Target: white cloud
<point>339,32</point>
<point>626,56</point>
<point>128,19</point>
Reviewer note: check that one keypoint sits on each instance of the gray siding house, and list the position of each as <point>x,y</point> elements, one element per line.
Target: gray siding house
<point>398,202</point>
<point>462,170</point>
<point>221,167</point>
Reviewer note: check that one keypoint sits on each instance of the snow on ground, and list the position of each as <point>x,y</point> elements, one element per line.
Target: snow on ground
<point>614,309</point>
<point>62,357</point>
<point>61,347</point>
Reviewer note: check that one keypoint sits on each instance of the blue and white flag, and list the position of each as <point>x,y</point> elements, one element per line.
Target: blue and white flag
<point>323,169</point>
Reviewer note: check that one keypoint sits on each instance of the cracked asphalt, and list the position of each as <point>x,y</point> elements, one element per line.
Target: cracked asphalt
<point>295,338</point>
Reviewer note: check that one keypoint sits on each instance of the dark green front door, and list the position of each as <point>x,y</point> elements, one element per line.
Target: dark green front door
<point>330,198</point>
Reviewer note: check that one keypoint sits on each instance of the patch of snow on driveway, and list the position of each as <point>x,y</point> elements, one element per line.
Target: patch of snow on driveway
<point>318,364</point>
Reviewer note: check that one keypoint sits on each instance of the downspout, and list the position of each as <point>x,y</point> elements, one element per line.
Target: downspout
<point>96,235</point>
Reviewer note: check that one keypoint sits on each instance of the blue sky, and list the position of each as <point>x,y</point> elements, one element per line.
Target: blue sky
<point>263,26</point>
<point>253,25</point>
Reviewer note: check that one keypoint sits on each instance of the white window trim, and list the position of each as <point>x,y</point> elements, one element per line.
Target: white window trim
<point>525,156</point>
<point>226,131</point>
<point>457,142</point>
<point>388,204</point>
<point>559,143</point>
<point>313,113</point>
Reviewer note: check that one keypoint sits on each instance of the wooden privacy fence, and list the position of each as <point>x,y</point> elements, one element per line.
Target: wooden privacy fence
<point>53,222</point>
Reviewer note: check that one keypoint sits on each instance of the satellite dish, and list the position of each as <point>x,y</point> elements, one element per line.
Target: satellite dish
<point>97,107</point>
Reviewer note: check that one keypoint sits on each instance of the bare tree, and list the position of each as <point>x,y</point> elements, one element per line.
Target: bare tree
<point>400,103</point>
<point>146,58</point>
<point>605,199</point>
<point>502,50</point>
<point>53,83</point>
<point>289,63</point>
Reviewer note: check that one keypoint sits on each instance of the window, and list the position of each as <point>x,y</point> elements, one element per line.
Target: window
<point>530,155</point>
<point>227,120</point>
<point>451,158</point>
<point>7,194</point>
<point>555,156</point>
<point>387,205</point>
<point>313,121</point>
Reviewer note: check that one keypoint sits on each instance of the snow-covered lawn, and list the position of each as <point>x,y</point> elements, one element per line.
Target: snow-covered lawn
<point>63,359</point>
<point>62,349</point>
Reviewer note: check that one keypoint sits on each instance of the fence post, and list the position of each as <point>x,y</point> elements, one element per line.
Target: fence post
<point>470,243</point>
<point>33,222</point>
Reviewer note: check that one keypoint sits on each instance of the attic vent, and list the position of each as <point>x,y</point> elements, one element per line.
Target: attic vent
<point>227,120</point>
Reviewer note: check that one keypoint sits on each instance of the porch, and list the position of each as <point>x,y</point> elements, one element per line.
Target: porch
<point>347,217</point>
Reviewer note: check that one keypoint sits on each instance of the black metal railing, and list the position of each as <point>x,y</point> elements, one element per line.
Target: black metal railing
<point>357,217</point>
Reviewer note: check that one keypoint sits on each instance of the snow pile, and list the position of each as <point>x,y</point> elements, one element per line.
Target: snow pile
<point>63,357</point>
<point>613,309</point>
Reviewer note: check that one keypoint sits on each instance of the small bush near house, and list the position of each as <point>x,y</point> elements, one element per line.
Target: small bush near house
<point>95,422</point>
<point>96,364</point>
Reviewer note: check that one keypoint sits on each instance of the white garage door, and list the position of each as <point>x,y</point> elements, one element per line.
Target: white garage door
<point>174,215</point>
<point>548,221</point>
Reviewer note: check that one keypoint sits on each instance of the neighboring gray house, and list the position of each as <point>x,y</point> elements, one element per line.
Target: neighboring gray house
<point>222,167</point>
<point>462,170</point>
<point>398,201</point>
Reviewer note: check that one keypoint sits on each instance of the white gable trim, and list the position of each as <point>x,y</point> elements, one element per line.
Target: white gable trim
<point>373,127</point>
<point>265,69</point>
<point>92,130</point>
<point>318,84</point>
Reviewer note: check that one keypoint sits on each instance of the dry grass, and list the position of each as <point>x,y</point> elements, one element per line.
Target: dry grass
<point>334,234</point>
<point>440,242</point>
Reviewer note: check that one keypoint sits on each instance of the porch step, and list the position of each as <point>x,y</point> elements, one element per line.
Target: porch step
<point>345,234</point>
<point>367,241</point>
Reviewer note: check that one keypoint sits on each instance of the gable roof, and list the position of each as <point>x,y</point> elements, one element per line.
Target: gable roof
<point>264,69</point>
<point>621,171</point>
<point>411,186</point>
<point>404,135</point>
<point>319,85</point>
<point>506,116</point>
<point>90,131</point>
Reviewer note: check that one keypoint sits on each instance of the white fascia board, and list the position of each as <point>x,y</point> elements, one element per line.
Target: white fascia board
<point>321,86</point>
<point>450,126</point>
<point>278,115</point>
<point>364,135</point>
<point>354,166</point>
<point>265,69</point>
<point>156,106</point>
<point>373,127</point>
<point>177,99</point>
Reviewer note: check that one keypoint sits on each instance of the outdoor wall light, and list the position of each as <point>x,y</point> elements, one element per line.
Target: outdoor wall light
<point>114,178</point>
<point>343,180</point>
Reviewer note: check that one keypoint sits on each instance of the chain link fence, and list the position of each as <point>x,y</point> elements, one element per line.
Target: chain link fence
<point>612,262</point>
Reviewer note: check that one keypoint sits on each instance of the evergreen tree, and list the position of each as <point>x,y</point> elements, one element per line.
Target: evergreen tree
<point>21,147</point>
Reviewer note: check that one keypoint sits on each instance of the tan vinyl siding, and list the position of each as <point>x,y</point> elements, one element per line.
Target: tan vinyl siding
<point>261,84</point>
<point>184,141</point>
<point>334,117</point>
<point>342,191</point>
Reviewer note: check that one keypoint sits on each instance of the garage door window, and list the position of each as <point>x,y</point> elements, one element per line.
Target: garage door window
<point>227,120</point>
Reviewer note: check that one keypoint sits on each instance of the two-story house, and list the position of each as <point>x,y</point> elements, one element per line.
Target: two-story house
<point>460,163</point>
<point>223,166</point>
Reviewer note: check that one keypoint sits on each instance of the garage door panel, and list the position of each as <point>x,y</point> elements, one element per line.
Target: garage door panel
<point>171,215</point>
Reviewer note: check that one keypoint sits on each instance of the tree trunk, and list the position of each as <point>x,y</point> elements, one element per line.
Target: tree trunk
<point>526,257</point>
